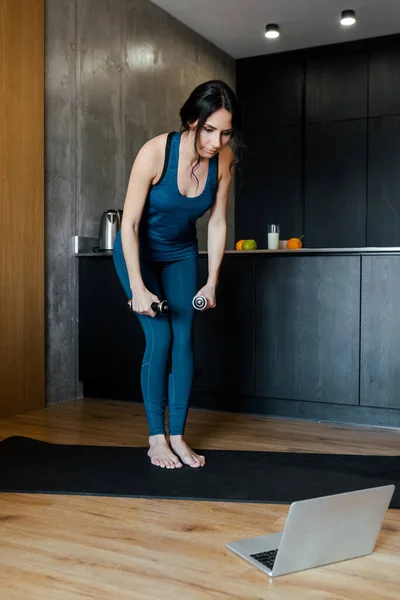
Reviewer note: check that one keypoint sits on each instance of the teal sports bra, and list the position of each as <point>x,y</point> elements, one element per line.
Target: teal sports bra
<point>167,229</point>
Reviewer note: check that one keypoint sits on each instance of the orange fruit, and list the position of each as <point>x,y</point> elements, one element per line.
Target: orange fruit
<point>239,244</point>
<point>294,244</point>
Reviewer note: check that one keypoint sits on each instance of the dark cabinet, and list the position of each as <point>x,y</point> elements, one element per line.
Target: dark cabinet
<point>384,82</point>
<point>300,335</point>
<point>111,341</point>
<point>380,332</point>
<point>307,328</point>
<point>270,91</point>
<point>336,88</point>
<point>224,336</point>
<point>383,213</point>
<point>270,189</point>
<point>335,184</point>
<point>335,94</point>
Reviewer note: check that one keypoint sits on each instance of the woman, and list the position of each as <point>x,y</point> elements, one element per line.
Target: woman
<point>175,179</point>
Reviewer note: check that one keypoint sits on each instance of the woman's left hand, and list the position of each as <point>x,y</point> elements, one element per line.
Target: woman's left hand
<point>209,293</point>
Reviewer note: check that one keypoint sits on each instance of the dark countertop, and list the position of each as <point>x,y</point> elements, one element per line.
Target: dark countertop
<point>83,246</point>
<point>304,251</point>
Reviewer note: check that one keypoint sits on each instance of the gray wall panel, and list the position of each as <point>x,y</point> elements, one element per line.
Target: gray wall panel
<point>117,72</point>
<point>164,61</point>
<point>100,152</point>
<point>60,213</point>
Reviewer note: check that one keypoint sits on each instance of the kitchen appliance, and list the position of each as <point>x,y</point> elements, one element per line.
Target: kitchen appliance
<point>110,224</point>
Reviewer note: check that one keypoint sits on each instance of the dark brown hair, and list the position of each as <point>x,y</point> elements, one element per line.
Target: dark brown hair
<point>205,100</point>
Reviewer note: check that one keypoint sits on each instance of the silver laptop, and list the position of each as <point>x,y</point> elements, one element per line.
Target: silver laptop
<point>320,531</point>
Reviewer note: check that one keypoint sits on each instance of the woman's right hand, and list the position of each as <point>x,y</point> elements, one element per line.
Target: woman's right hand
<point>142,301</point>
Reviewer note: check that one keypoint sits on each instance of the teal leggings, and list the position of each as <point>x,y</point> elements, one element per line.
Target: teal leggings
<point>167,367</point>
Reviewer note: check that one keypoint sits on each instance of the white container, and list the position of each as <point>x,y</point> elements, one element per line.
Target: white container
<point>273,237</point>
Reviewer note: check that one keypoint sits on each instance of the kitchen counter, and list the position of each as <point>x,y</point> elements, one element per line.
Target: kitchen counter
<point>302,251</point>
<point>83,246</point>
<point>309,333</point>
<point>365,250</point>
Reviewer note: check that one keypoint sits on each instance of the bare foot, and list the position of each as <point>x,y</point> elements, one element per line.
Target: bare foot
<point>187,456</point>
<point>161,454</point>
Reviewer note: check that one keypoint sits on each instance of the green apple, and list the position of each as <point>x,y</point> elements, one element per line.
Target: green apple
<point>249,245</point>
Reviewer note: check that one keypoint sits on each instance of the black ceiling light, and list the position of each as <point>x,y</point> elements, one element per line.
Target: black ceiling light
<point>348,18</point>
<point>272,31</point>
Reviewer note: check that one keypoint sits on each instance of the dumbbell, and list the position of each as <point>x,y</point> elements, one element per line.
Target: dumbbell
<point>158,307</point>
<point>199,302</point>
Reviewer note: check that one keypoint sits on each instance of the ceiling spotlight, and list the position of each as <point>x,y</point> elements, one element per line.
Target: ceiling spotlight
<point>272,31</point>
<point>348,17</point>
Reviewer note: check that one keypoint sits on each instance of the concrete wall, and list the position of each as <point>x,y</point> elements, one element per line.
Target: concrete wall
<point>117,72</point>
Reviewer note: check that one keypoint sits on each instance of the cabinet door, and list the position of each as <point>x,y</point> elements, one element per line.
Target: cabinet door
<point>384,82</point>
<point>380,331</point>
<point>111,341</point>
<point>383,216</point>
<point>270,91</point>
<point>269,188</point>
<point>335,184</point>
<point>336,88</point>
<point>224,336</point>
<point>307,328</point>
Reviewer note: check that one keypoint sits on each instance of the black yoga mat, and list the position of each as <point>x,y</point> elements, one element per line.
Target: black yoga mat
<point>31,466</point>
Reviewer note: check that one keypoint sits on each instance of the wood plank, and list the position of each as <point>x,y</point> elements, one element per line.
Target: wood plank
<point>22,348</point>
<point>77,547</point>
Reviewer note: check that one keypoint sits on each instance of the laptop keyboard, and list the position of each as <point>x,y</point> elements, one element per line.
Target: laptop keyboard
<point>266,558</point>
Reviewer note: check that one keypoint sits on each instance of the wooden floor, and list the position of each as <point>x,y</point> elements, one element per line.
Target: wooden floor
<point>72,547</point>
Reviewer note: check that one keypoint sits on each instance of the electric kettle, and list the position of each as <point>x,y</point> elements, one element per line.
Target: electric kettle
<point>110,224</point>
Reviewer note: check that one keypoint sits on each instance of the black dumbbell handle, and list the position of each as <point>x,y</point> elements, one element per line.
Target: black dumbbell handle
<point>159,308</point>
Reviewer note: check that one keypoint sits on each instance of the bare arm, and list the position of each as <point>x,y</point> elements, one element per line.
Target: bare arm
<point>217,222</point>
<point>217,228</point>
<point>143,172</point>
